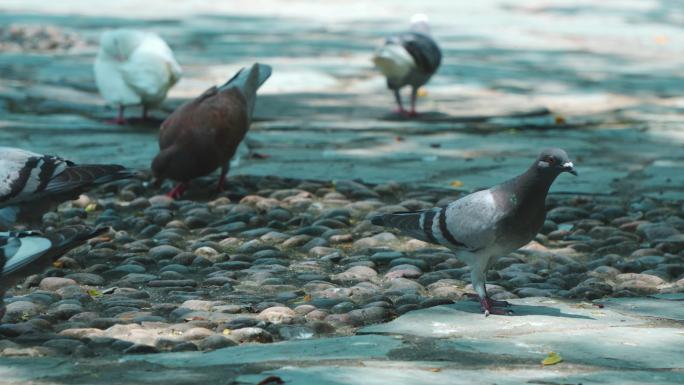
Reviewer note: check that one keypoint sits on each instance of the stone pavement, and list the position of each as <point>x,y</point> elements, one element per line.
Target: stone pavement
<point>601,79</point>
<point>621,343</point>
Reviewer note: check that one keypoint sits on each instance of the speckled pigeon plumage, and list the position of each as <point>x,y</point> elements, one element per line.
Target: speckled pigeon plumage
<point>31,184</point>
<point>488,223</point>
<point>25,252</point>
<point>409,59</point>
<point>204,134</point>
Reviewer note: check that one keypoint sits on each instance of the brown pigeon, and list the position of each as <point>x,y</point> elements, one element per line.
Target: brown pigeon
<point>203,134</point>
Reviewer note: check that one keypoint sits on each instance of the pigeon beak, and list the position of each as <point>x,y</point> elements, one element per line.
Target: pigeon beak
<point>569,167</point>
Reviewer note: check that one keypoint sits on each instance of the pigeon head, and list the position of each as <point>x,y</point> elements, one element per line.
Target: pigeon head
<point>420,23</point>
<point>120,43</point>
<point>554,161</point>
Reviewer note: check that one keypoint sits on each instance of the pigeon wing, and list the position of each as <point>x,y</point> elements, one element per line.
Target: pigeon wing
<point>423,49</point>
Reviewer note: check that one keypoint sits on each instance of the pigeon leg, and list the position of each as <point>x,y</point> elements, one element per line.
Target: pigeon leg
<point>177,191</point>
<point>119,118</point>
<point>489,306</point>
<point>400,107</point>
<point>222,178</point>
<point>414,93</point>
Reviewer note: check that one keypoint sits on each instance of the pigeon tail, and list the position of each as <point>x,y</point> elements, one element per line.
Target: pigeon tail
<point>86,175</point>
<point>417,224</point>
<point>248,82</point>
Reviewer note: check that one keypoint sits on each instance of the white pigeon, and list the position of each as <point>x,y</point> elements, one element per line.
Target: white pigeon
<point>409,59</point>
<point>134,68</point>
<point>27,252</point>
<point>31,184</point>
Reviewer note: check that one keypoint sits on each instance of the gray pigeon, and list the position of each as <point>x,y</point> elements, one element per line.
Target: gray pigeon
<point>204,134</point>
<point>409,59</point>
<point>488,223</point>
<point>26,252</point>
<point>31,184</point>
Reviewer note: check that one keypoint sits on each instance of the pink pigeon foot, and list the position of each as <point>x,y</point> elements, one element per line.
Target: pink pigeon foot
<point>494,302</point>
<point>488,307</point>
<point>177,191</point>
<point>412,113</point>
<point>119,121</point>
<point>401,111</point>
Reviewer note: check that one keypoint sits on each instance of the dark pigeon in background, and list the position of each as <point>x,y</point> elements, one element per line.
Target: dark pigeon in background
<point>489,223</point>
<point>203,134</point>
<point>32,184</point>
<point>409,59</point>
<point>25,253</point>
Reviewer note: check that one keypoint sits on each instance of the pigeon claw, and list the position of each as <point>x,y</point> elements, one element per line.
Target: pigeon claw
<point>493,302</point>
<point>490,306</point>
<point>177,191</point>
<point>117,121</point>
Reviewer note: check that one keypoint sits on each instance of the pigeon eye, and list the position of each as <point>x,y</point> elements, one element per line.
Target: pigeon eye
<point>550,160</point>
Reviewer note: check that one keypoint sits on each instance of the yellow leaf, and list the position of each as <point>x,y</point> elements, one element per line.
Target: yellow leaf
<point>456,183</point>
<point>422,92</point>
<point>91,207</point>
<point>226,332</point>
<point>58,264</point>
<point>94,293</point>
<point>559,119</point>
<point>435,370</point>
<point>661,39</point>
<point>308,298</point>
<point>552,359</point>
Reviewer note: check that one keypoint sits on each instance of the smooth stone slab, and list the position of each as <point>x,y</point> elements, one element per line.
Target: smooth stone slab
<point>339,348</point>
<point>432,373</point>
<point>464,319</point>
<point>670,306</point>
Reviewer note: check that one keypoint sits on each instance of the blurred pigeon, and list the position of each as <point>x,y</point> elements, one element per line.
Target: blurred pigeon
<point>409,59</point>
<point>26,252</point>
<point>31,184</point>
<point>134,67</point>
<point>203,134</point>
<point>488,223</point>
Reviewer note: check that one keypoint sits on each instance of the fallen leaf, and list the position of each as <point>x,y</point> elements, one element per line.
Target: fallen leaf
<point>552,359</point>
<point>456,183</point>
<point>661,39</point>
<point>422,92</point>
<point>435,370</point>
<point>399,138</point>
<point>308,298</point>
<point>559,119</point>
<point>91,207</point>
<point>226,332</point>
<point>94,293</point>
<point>58,264</point>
